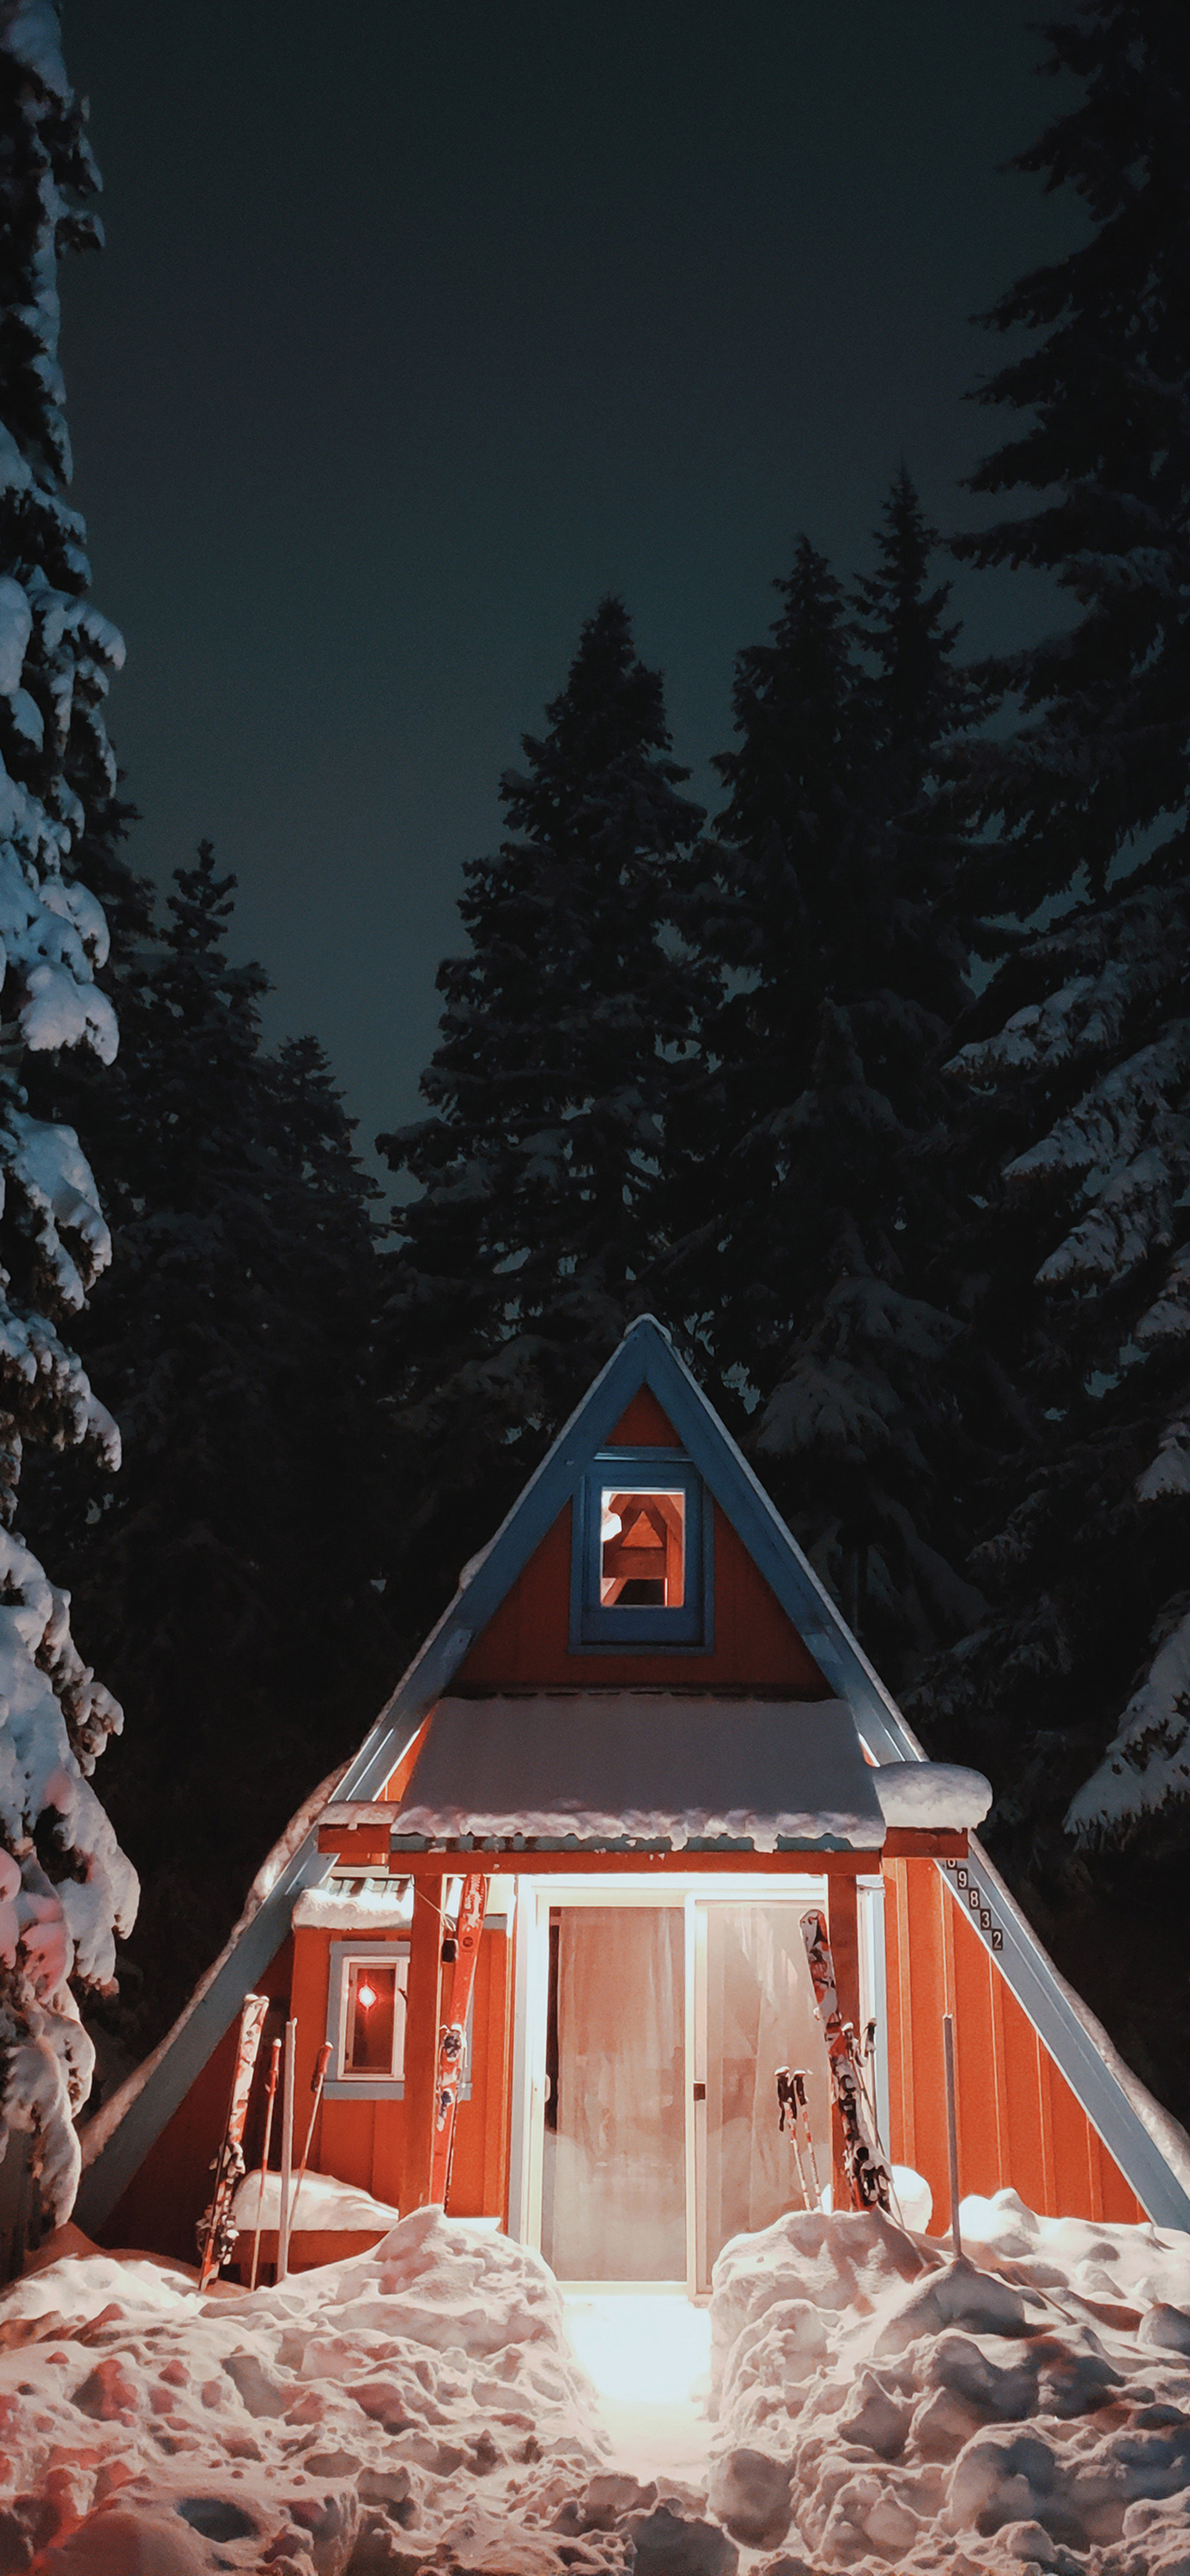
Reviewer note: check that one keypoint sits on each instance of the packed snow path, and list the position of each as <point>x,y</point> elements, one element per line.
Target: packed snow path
<point>419,2411</point>
<point>647,2354</point>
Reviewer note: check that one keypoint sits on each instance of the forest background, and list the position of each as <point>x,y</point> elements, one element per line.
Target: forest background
<point>873,1086</point>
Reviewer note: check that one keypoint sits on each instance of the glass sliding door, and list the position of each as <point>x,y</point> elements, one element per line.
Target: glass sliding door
<point>652,2033</point>
<point>613,2182</point>
<point>754,2012</point>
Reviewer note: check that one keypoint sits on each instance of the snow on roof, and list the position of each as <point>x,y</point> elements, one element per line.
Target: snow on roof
<point>603,1766</point>
<point>381,1905</point>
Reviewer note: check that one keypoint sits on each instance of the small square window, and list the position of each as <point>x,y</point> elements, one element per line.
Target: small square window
<point>365,2024</point>
<point>641,1571</point>
<point>366,2020</point>
<point>374,2020</point>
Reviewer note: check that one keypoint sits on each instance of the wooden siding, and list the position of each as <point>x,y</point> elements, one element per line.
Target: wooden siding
<point>1019,2123</point>
<point>162,2206</point>
<point>527,1640</point>
<point>364,2142</point>
<point>643,1425</point>
<point>360,2142</point>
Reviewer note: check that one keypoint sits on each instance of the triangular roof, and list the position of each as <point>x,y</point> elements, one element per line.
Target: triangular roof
<point>1128,2121</point>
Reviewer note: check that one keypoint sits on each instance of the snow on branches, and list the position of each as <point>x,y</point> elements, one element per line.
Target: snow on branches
<point>1147,1762</point>
<point>66,1890</point>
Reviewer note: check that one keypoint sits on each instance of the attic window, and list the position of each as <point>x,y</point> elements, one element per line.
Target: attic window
<point>641,1572</point>
<point>642,1537</point>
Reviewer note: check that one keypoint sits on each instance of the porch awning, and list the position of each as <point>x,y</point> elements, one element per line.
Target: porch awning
<point>610,1769</point>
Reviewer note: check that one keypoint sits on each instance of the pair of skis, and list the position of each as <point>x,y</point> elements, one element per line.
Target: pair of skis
<point>868,2177</point>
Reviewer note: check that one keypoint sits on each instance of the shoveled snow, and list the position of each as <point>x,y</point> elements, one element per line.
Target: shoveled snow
<point>417,2406</point>
<point>420,2408</point>
<point>883,2405</point>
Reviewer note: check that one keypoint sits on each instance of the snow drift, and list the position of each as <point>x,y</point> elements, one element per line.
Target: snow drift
<point>881,2404</point>
<point>418,2409</point>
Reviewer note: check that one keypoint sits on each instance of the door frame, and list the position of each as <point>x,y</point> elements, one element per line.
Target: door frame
<point>536,1897</point>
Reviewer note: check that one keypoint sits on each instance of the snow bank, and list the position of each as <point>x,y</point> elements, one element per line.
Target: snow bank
<point>883,2405</point>
<point>416,2407</point>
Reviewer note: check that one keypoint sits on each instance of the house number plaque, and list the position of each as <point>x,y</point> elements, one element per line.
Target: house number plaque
<point>977,1904</point>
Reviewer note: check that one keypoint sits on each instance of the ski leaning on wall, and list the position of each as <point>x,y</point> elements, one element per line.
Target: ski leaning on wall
<point>216,2233</point>
<point>863,2157</point>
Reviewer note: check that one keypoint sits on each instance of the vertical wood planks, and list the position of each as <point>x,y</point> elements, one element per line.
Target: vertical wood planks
<point>1020,2125</point>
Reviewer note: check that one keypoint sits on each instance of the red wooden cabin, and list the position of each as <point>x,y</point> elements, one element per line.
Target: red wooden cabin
<point>644,1725</point>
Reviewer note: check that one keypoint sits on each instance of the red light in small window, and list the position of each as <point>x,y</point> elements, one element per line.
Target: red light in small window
<point>366,1995</point>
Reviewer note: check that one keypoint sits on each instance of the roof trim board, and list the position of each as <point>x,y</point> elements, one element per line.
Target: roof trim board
<point>645,1357</point>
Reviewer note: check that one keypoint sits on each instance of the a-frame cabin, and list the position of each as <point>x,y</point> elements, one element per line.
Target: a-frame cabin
<point>644,1727</point>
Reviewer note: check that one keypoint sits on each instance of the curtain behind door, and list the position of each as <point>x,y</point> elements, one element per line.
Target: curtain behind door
<point>760,2015</point>
<point>613,2186</point>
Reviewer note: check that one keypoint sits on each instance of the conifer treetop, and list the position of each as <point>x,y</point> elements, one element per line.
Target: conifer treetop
<point>1104,443</point>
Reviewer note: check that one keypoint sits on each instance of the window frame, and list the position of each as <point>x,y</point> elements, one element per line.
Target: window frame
<point>344,1955</point>
<point>596,1628</point>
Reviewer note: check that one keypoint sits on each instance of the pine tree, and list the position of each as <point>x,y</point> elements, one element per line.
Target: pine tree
<point>1075,1693</point>
<point>65,1887</point>
<point>523,1252</point>
<point>1100,755</point>
<point>226,1575</point>
<point>836,908</point>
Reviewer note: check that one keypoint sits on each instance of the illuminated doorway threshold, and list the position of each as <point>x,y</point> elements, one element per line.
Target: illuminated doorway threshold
<point>648,2353</point>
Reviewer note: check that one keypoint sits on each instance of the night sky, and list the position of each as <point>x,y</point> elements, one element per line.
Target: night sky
<point>423,324</point>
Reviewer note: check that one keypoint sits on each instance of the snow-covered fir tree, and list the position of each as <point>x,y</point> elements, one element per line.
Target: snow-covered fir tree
<point>66,1889</point>
<point>563,1031</point>
<point>227,1574</point>
<point>833,905</point>
<point>1075,1693</point>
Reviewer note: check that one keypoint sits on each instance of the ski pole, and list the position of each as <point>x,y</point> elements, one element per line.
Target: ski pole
<point>787,2101</point>
<point>803,2108</point>
<point>952,2134</point>
<point>286,2151</point>
<point>274,2063</point>
<point>317,2081</point>
<point>802,2184</point>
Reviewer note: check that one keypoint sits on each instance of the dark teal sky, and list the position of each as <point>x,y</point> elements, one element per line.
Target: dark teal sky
<point>420,327</point>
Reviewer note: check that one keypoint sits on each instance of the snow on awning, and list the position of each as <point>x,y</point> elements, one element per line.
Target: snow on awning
<point>624,1767</point>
